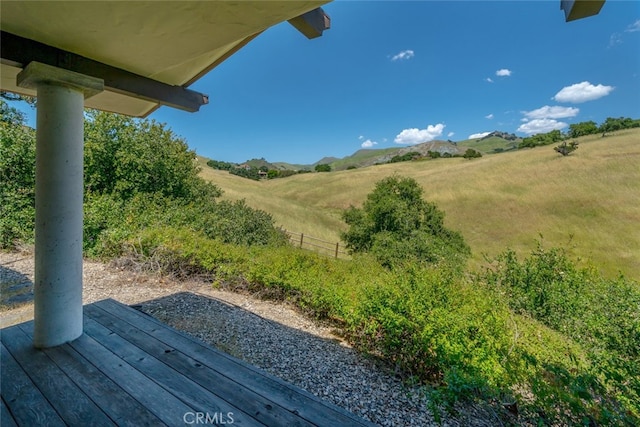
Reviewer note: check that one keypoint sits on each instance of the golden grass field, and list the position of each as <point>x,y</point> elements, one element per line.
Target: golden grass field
<point>588,201</point>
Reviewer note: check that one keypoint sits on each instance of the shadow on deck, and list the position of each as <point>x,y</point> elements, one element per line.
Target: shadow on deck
<point>130,369</point>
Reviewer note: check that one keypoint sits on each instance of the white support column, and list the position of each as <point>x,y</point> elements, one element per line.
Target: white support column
<point>59,197</point>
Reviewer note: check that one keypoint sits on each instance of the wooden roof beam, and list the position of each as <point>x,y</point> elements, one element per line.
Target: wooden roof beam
<point>578,9</point>
<point>19,50</point>
<point>312,23</point>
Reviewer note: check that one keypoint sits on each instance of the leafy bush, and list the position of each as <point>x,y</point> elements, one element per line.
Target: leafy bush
<point>583,128</point>
<point>323,168</point>
<point>471,154</point>
<point>246,172</point>
<point>110,221</point>
<point>137,175</point>
<point>613,124</point>
<point>220,165</point>
<point>126,156</point>
<point>601,314</point>
<point>412,155</point>
<point>541,139</point>
<point>17,175</point>
<point>397,226</point>
<point>565,149</point>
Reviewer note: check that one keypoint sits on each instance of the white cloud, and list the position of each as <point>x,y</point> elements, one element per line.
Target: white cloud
<point>478,135</point>
<point>488,79</point>
<point>541,126</point>
<point>503,72</point>
<point>450,134</point>
<point>555,112</point>
<point>368,143</point>
<point>416,136</point>
<point>361,137</point>
<point>615,39</point>
<point>490,116</point>
<point>405,54</point>
<point>633,27</point>
<point>582,92</point>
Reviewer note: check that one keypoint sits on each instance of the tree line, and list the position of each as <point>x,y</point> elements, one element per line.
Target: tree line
<point>252,172</point>
<point>579,129</point>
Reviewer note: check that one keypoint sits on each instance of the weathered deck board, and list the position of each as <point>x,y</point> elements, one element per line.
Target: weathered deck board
<point>6,420</point>
<point>67,399</point>
<point>222,388</point>
<point>292,398</point>
<point>164,405</point>
<point>110,397</point>
<point>27,402</point>
<point>178,385</point>
<point>130,369</point>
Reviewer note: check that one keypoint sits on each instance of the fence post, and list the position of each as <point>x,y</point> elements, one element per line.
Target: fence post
<point>301,239</point>
<point>337,246</point>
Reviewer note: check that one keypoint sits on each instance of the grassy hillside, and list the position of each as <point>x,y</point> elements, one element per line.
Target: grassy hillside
<point>363,157</point>
<point>489,145</point>
<point>591,198</point>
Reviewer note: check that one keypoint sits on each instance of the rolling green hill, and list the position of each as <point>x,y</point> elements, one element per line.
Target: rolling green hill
<point>589,200</point>
<point>491,144</point>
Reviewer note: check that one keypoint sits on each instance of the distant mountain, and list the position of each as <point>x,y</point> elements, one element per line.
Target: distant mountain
<point>372,156</point>
<point>494,142</point>
<point>326,161</point>
<point>291,166</point>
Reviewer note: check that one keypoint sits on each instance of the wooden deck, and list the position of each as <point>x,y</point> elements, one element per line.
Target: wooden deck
<point>129,369</point>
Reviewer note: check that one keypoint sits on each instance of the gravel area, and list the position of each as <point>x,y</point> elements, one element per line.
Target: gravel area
<point>270,335</point>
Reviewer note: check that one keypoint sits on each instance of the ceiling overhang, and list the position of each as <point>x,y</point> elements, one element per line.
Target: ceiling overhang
<point>148,52</point>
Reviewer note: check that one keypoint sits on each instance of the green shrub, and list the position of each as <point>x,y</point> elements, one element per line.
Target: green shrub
<point>110,221</point>
<point>323,168</point>
<point>601,314</point>
<point>138,174</point>
<point>397,226</point>
<point>471,154</point>
<point>17,178</point>
<point>125,156</point>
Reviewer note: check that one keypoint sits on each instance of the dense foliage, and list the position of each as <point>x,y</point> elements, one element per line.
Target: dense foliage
<point>126,157</point>
<point>602,315</point>
<point>579,129</point>
<point>397,226</point>
<point>17,177</point>
<point>471,154</point>
<point>541,139</point>
<point>252,172</point>
<point>138,174</point>
<point>412,155</point>
<point>220,165</point>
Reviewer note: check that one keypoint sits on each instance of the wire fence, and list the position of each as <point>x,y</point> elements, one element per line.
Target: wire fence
<point>305,241</point>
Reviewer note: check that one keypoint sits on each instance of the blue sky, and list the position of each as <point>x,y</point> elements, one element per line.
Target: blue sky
<point>391,74</point>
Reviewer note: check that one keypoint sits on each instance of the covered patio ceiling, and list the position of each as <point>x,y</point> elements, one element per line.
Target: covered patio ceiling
<point>147,52</point>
